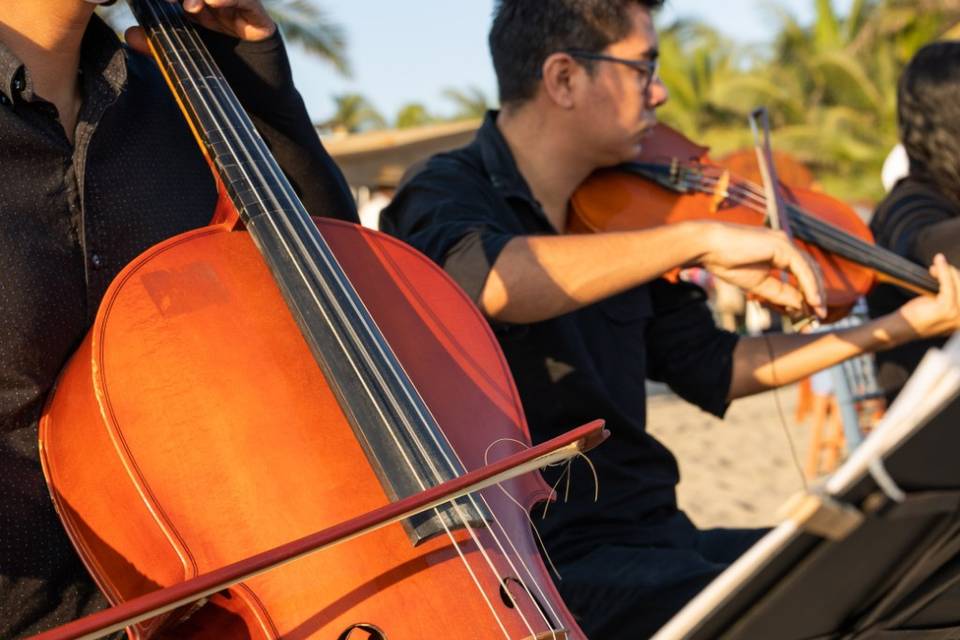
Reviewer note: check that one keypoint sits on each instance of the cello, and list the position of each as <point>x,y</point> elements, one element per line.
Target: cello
<point>268,376</point>
<point>673,179</point>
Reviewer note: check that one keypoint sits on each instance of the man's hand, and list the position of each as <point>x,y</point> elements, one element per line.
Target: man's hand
<point>929,316</point>
<point>243,19</point>
<point>747,257</point>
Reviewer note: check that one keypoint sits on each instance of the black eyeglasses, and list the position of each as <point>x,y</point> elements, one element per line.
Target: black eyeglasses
<point>647,70</point>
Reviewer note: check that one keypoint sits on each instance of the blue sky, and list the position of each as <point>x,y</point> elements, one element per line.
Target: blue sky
<point>411,51</point>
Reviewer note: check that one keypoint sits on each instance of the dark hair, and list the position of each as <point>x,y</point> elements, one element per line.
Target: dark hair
<point>526,32</point>
<point>928,110</point>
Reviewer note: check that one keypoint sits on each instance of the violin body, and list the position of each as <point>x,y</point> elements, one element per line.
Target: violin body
<point>193,428</point>
<point>673,180</point>
<point>619,204</point>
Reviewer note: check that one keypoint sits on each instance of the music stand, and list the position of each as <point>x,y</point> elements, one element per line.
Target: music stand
<point>873,553</point>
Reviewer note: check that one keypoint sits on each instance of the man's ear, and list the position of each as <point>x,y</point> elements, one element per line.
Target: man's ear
<point>560,73</point>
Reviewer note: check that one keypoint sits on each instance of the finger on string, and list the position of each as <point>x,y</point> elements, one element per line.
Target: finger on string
<point>946,275</point>
<point>801,267</point>
<point>780,293</point>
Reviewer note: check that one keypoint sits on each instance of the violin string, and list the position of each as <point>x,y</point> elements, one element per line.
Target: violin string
<point>844,244</point>
<point>506,555</point>
<point>883,260</point>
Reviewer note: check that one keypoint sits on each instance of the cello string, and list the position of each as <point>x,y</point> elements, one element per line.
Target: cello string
<point>513,546</point>
<point>496,520</point>
<point>454,542</point>
<point>456,506</point>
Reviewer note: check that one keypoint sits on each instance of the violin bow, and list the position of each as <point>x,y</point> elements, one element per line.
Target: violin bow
<point>777,211</point>
<point>776,208</point>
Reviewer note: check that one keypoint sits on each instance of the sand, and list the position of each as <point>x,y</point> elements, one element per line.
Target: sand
<point>735,472</point>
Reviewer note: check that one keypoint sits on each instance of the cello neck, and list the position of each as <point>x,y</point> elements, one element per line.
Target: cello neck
<point>239,157</point>
<point>402,441</point>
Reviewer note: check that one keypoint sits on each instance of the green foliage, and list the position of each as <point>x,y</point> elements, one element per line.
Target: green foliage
<point>413,114</point>
<point>352,114</point>
<point>470,103</point>
<point>302,22</point>
<point>830,86</point>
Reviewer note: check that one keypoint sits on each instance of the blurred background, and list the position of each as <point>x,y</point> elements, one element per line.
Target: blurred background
<point>826,69</point>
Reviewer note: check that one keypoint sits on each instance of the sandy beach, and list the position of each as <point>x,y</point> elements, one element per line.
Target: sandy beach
<point>735,472</point>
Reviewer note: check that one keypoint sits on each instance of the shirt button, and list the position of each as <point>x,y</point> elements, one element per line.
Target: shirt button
<point>18,84</point>
<point>96,260</point>
<point>3,99</point>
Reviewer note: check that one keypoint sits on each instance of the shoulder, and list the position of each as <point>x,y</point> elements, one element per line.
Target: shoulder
<point>455,182</point>
<point>911,203</point>
<point>451,171</point>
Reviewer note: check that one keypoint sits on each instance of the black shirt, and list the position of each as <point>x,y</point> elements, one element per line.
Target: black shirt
<point>917,222</point>
<point>71,216</point>
<point>592,363</point>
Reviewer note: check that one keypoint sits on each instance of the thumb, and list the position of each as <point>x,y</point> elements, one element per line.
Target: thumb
<point>136,38</point>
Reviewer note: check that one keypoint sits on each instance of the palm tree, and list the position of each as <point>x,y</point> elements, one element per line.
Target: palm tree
<point>844,72</point>
<point>353,114</point>
<point>471,102</point>
<point>413,114</point>
<point>830,86</point>
<point>301,21</point>
<point>710,94</point>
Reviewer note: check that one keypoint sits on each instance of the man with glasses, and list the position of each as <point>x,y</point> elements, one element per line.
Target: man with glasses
<point>584,320</point>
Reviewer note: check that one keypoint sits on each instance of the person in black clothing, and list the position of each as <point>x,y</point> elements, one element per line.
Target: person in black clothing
<point>584,320</point>
<point>96,166</point>
<point>920,217</point>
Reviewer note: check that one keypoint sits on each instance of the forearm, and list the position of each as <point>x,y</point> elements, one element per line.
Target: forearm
<point>540,277</point>
<point>765,362</point>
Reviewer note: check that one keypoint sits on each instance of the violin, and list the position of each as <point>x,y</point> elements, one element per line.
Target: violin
<point>269,376</point>
<point>674,180</point>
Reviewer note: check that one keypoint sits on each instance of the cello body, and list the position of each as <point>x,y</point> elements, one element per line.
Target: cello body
<point>193,428</point>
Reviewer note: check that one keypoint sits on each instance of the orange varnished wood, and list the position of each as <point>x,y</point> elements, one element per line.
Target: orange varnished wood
<point>743,163</point>
<point>195,404</point>
<point>614,200</point>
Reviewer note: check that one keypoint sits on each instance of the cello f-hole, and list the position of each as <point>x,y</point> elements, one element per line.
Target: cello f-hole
<point>510,602</point>
<point>362,631</point>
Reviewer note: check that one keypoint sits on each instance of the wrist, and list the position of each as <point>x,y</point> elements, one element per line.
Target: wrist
<point>701,239</point>
<point>893,330</point>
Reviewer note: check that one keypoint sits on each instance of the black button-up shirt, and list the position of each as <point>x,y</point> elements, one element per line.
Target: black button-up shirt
<point>917,222</point>
<point>592,363</point>
<point>71,216</point>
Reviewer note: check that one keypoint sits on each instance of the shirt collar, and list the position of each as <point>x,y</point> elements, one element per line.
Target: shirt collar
<point>499,162</point>
<point>10,68</point>
<point>101,55</point>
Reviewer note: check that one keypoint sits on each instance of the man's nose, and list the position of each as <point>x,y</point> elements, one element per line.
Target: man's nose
<point>657,93</point>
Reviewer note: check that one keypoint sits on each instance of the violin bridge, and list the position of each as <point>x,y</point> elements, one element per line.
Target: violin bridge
<point>720,192</point>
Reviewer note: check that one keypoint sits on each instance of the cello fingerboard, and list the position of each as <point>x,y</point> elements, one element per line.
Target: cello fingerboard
<point>404,445</point>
